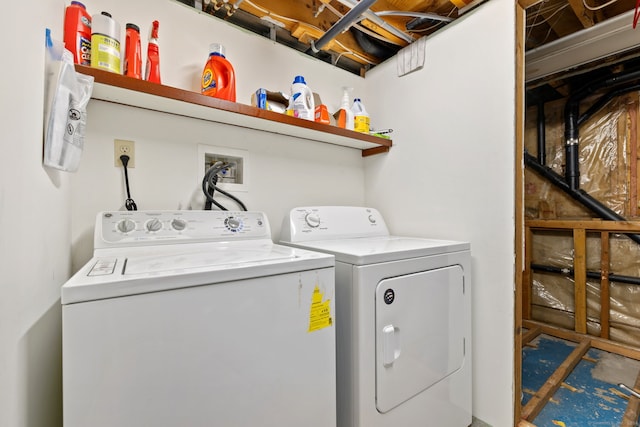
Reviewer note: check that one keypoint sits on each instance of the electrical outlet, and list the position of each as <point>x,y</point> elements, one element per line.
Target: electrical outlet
<point>122,147</point>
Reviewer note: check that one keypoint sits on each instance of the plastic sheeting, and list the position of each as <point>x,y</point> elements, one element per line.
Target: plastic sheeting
<point>553,294</point>
<point>605,175</point>
<point>604,160</point>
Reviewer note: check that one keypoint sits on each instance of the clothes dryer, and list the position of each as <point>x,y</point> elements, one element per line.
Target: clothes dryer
<point>403,319</point>
<point>195,318</point>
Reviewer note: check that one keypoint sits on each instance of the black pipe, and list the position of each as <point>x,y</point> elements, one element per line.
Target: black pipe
<point>572,159</point>
<point>572,116</point>
<point>542,156</point>
<point>602,101</point>
<point>578,195</point>
<point>597,275</point>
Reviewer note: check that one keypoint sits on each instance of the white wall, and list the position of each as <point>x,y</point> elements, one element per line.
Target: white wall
<point>34,227</point>
<point>46,215</point>
<point>450,173</point>
<point>284,172</point>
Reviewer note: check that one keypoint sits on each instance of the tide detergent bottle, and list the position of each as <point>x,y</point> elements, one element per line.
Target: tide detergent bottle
<point>218,76</point>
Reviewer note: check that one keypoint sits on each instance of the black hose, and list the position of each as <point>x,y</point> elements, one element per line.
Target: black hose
<point>209,187</point>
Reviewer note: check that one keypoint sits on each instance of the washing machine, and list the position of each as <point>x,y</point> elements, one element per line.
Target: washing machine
<point>196,318</point>
<point>403,319</point>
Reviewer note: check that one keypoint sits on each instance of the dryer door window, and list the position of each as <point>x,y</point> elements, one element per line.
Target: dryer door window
<point>419,333</point>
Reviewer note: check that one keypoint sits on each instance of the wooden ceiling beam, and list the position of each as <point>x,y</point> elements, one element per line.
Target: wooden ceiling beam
<point>584,15</point>
<point>526,4</point>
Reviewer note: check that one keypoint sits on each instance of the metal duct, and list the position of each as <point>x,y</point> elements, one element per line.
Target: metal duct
<point>371,16</point>
<point>342,24</point>
<point>611,37</point>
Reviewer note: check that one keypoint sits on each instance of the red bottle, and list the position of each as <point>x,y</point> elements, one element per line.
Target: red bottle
<point>218,76</point>
<point>133,52</point>
<point>152,72</point>
<point>77,32</point>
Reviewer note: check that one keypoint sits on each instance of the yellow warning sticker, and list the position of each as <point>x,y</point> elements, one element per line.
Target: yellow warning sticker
<point>320,312</point>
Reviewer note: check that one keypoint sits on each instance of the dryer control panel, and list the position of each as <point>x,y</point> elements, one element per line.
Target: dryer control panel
<point>138,228</point>
<point>332,222</point>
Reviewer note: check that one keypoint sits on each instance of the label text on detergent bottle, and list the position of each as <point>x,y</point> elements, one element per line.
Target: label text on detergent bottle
<point>105,52</point>
<point>361,124</point>
<point>85,51</point>
<point>208,82</point>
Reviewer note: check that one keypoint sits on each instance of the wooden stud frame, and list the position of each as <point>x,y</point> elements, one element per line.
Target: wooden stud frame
<point>580,229</point>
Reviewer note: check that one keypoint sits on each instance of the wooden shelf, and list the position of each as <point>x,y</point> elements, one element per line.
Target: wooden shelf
<point>124,90</point>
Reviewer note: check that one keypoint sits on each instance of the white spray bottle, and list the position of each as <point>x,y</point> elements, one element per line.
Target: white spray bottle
<point>345,115</point>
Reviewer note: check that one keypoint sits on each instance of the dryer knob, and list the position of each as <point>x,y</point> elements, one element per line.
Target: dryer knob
<point>126,225</point>
<point>312,220</point>
<point>372,219</point>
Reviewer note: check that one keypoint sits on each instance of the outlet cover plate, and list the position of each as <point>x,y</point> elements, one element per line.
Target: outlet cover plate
<point>121,147</point>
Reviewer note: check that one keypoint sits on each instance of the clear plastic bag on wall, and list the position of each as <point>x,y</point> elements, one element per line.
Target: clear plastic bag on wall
<point>67,94</point>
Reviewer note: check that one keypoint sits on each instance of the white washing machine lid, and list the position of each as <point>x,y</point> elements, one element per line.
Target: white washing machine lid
<point>372,250</point>
<point>118,272</point>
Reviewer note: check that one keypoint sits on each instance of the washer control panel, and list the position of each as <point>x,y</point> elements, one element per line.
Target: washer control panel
<point>130,228</point>
<point>332,222</point>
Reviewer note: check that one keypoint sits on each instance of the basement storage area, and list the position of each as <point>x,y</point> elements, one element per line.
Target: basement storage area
<point>581,280</point>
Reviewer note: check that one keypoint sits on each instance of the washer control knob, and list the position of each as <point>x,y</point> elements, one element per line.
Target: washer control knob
<point>233,224</point>
<point>153,225</point>
<point>178,224</point>
<point>312,220</point>
<point>372,219</point>
<point>126,225</point>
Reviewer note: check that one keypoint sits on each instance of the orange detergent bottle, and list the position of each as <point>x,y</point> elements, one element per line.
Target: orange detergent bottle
<point>77,32</point>
<point>218,76</point>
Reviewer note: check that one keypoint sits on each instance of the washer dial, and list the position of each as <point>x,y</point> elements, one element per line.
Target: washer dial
<point>233,224</point>
<point>126,225</point>
<point>178,224</point>
<point>153,225</point>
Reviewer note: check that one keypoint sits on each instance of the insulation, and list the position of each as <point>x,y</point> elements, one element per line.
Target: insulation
<point>606,173</point>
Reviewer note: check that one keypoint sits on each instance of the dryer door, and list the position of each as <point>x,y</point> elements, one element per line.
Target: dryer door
<point>419,333</point>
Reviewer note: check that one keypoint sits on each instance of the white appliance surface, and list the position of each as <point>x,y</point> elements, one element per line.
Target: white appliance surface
<point>403,318</point>
<point>196,318</point>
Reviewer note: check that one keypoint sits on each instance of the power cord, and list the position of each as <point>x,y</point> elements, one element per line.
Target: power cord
<point>209,187</point>
<point>129,203</point>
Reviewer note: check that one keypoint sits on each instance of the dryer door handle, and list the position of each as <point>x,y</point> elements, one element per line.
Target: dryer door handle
<point>390,345</point>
